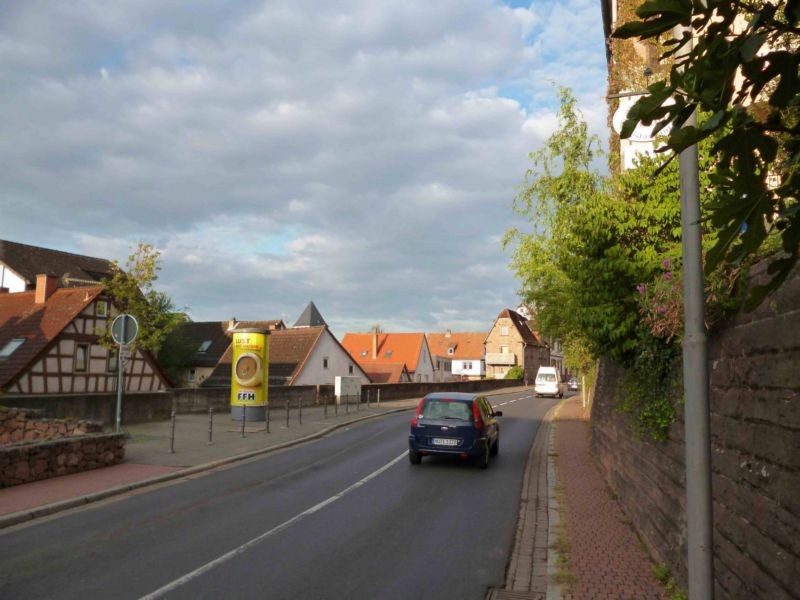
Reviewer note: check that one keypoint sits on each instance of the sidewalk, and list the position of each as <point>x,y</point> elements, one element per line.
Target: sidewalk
<point>573,541</point>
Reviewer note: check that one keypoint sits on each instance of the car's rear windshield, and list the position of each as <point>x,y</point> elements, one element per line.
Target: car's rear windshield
<point>545,377</point>
<point>446,409</point>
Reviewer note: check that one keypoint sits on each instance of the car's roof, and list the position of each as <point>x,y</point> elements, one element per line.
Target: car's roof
<point>460,396</point>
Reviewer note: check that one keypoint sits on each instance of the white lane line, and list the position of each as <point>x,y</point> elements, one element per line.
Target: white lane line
<point>502,404</point>
<point>173,585</point>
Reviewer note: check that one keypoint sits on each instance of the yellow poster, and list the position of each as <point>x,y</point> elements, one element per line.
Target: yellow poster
<point>249,369</point>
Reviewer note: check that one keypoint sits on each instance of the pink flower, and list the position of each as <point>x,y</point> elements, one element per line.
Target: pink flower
<point>641,289</point>
<point>666,263</point>
<point>661,310</point>
<point>667,275</point>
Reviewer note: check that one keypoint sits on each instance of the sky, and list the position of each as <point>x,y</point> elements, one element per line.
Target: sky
<point>363,155</point>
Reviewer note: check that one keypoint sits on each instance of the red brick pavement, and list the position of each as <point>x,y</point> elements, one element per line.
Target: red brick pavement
<point>606,556</point>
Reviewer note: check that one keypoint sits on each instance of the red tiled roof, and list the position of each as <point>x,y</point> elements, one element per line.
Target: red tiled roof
<point>392,348</point>
<point>37,324</point>
<point>386,372</point>
<point>464,345</point>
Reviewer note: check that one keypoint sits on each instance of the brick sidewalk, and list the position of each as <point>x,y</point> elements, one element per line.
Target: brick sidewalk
<point>606,556</point>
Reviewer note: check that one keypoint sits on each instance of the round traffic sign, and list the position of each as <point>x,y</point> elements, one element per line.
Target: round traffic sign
<point>124,329</point>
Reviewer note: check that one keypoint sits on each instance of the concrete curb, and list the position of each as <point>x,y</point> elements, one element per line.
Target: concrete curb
<point>22,516</point>
<point>553,513</point>
<point>522,580</point>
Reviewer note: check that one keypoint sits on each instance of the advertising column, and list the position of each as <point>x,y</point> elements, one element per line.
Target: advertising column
<point>249,372</point>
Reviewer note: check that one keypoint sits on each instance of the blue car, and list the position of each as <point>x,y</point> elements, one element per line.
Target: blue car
<point>454,424</point>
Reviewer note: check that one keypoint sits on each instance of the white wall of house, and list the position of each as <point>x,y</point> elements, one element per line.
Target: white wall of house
<point>9,279</point>
<point>473,368</point>
<point>339,362</point>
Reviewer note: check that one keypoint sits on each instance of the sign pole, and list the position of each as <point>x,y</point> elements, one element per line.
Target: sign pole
<point>120,383</point>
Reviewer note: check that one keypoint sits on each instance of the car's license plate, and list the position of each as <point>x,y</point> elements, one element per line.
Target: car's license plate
<point>445,442</point>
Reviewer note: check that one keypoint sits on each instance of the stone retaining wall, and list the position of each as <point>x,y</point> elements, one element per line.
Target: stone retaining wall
<point>755,429</point>
<point>32,461</point>
<point>22,425</point>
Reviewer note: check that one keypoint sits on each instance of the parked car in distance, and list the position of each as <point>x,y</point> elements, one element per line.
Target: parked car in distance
<point>572,385</point>
<point>454,424</point>
<point>548,383</point>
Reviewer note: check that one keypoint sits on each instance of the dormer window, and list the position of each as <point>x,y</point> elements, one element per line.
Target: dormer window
<point>11,346</point>
<point>204,347</point>
<point>363,353</point>
<point>388,354</point>
<point>450,351</point>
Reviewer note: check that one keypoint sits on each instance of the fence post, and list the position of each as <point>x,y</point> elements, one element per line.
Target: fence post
<point>300,408</point>
<point>268,405</point>
<point>210,425</point>
<point>244,417</point>
<point>172,434</point>
<point>287,412</point>
<point>379,397</point>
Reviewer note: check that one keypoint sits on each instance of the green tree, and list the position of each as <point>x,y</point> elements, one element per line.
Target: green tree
<point>515,372</point>
<point>133,292</point>
<point>745,81</point>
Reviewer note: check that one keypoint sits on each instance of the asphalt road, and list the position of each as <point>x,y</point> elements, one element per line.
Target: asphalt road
<point>345,516</point>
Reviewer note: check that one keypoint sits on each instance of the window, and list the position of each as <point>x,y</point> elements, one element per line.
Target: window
<point>467,365</point>
<point>388,354</point>
<point>350,369</point>
<point>111,365</point>
<point>101,308</point>
<point>363,353</point>
<point>192,374</point>
<point>204,347</point>
<point>504,349</point>
<point>504,330</point>
<point>81,356</point>
<point>325,363</point>
<point>9,348</point>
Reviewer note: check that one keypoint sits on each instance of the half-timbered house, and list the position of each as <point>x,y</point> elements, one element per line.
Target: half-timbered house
<point>49,344</point>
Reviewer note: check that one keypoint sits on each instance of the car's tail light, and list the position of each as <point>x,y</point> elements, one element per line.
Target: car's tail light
<point>476,416</point>
<point>415,420</point>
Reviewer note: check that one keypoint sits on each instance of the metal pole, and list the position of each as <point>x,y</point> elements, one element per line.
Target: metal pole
<point>699,511</point>
<point>172,434</point>
<point>120,385</point>
<point>379,396</point>
<point>287,412</point>
<point>325,403</point>
<point>268,403</point>
<point>367,398</point>
<point>300,409</point>
<point>210,425</point>
<point>347,405</point>
<point>583,389</point>
<point>244,417</point>
<point>336,401</point>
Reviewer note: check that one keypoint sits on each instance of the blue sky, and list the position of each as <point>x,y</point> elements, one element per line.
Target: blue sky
<point>363,155</point>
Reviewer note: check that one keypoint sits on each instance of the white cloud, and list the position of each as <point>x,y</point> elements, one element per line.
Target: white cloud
<point>363,155</point>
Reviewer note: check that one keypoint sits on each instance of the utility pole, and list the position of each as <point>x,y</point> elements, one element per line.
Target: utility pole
<point>699,511</point>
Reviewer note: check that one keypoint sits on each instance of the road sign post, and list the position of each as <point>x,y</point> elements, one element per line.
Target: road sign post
<point>124,329</point>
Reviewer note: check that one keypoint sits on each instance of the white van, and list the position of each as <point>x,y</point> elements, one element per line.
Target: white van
<point>548,382</point>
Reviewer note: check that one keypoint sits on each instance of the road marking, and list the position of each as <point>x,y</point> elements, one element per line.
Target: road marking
<point>173,585</point>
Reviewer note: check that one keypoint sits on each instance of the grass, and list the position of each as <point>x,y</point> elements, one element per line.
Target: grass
<point>661,572</point>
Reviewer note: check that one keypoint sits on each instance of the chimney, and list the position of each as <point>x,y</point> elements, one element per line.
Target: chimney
<point>45,286</point>
<point>448,334</point>
<point>374,344</point>
<point>232,323</point>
